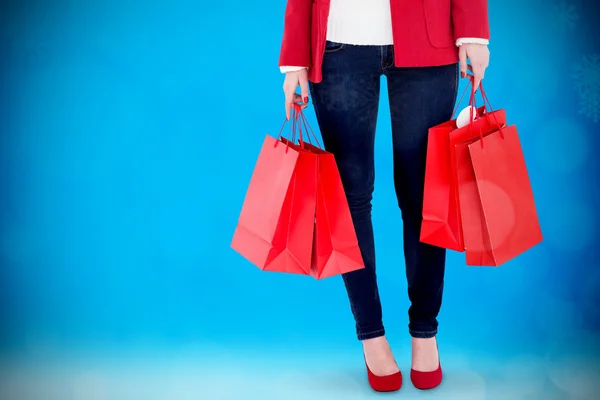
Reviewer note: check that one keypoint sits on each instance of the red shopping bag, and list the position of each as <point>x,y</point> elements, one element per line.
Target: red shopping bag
<point>276,225</point>
<point>336,248</point>
<point>475,234</point>
<point>473,231</point>
<point>441,225</point>
<point>335,245</point>
<point>509,221</point>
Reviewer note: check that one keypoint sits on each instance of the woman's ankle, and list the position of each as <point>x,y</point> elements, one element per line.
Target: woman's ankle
<point>425,355</point>
<point>379,357</point>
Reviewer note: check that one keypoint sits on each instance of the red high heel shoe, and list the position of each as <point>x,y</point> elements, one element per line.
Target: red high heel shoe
<point>427,380</point>
<point>386,383</point>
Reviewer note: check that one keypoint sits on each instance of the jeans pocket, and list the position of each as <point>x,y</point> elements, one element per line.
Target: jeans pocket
<point>331,47</point>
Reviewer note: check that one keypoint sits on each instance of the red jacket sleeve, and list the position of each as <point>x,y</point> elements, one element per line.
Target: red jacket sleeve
<point>295,47</point>
<point>470,19</point>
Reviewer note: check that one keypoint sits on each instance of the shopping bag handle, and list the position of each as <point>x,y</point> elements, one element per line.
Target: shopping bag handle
<point>472,98</point>
<point>300,128</point>
<point>486,104</point>
<point>472,104</point>
<point>308,129</point>
<point>294,128</point>
<point>459,102</point>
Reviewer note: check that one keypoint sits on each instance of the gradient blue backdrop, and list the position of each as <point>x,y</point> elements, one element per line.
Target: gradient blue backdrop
<point>129,130</point>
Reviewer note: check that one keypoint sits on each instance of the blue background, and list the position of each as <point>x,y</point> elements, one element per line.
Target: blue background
<point>128,133</point>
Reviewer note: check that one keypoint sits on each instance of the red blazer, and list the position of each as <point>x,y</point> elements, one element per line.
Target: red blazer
<point>425,31</point>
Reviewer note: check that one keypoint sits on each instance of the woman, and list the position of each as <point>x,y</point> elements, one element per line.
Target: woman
<point>343,47</point>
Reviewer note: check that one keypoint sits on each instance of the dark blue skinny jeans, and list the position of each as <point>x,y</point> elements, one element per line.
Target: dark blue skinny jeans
<point>346,104</point>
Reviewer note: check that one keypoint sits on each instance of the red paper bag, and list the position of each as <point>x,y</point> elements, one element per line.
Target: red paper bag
<point>506,198</point>
<point>276,225</point>
<point>440,212</point>
<point>441,224</point>
<point>471,214</point>
<point>336,248</point>
<point>476,238</point>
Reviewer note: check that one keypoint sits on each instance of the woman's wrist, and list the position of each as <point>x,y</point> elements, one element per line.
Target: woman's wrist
<point>461,41</point>
<point>285,69</point>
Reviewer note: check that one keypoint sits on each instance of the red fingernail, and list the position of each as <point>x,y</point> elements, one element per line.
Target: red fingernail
<point>462,74</point>
<point>306,99</point>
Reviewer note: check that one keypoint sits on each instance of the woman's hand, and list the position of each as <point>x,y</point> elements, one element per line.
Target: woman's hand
<point>292,81</point>
<point>479,55</point>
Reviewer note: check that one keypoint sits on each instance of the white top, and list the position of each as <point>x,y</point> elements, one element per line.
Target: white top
<point>361,22</point>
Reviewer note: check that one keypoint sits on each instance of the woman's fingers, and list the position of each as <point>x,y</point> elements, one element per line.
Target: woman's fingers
<point>303,80</point>
<point>296,99</point>
<point>479,56</point>
<point>478,74</point>
<point>291,83</point>
<point>462,56</point>
<point>299,99</point>
<point>289,102</point>
<point>288,107</point>
<point>289,89</point>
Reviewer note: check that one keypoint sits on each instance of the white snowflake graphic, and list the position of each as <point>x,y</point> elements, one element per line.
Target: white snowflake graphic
<point>564,15</point>
<point>586,77</point>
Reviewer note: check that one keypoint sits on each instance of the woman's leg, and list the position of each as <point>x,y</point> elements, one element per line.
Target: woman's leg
<point>346,104</point>
<point>419,99</point>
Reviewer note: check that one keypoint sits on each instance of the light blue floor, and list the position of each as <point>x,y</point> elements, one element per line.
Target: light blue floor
<point>211,373</point>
